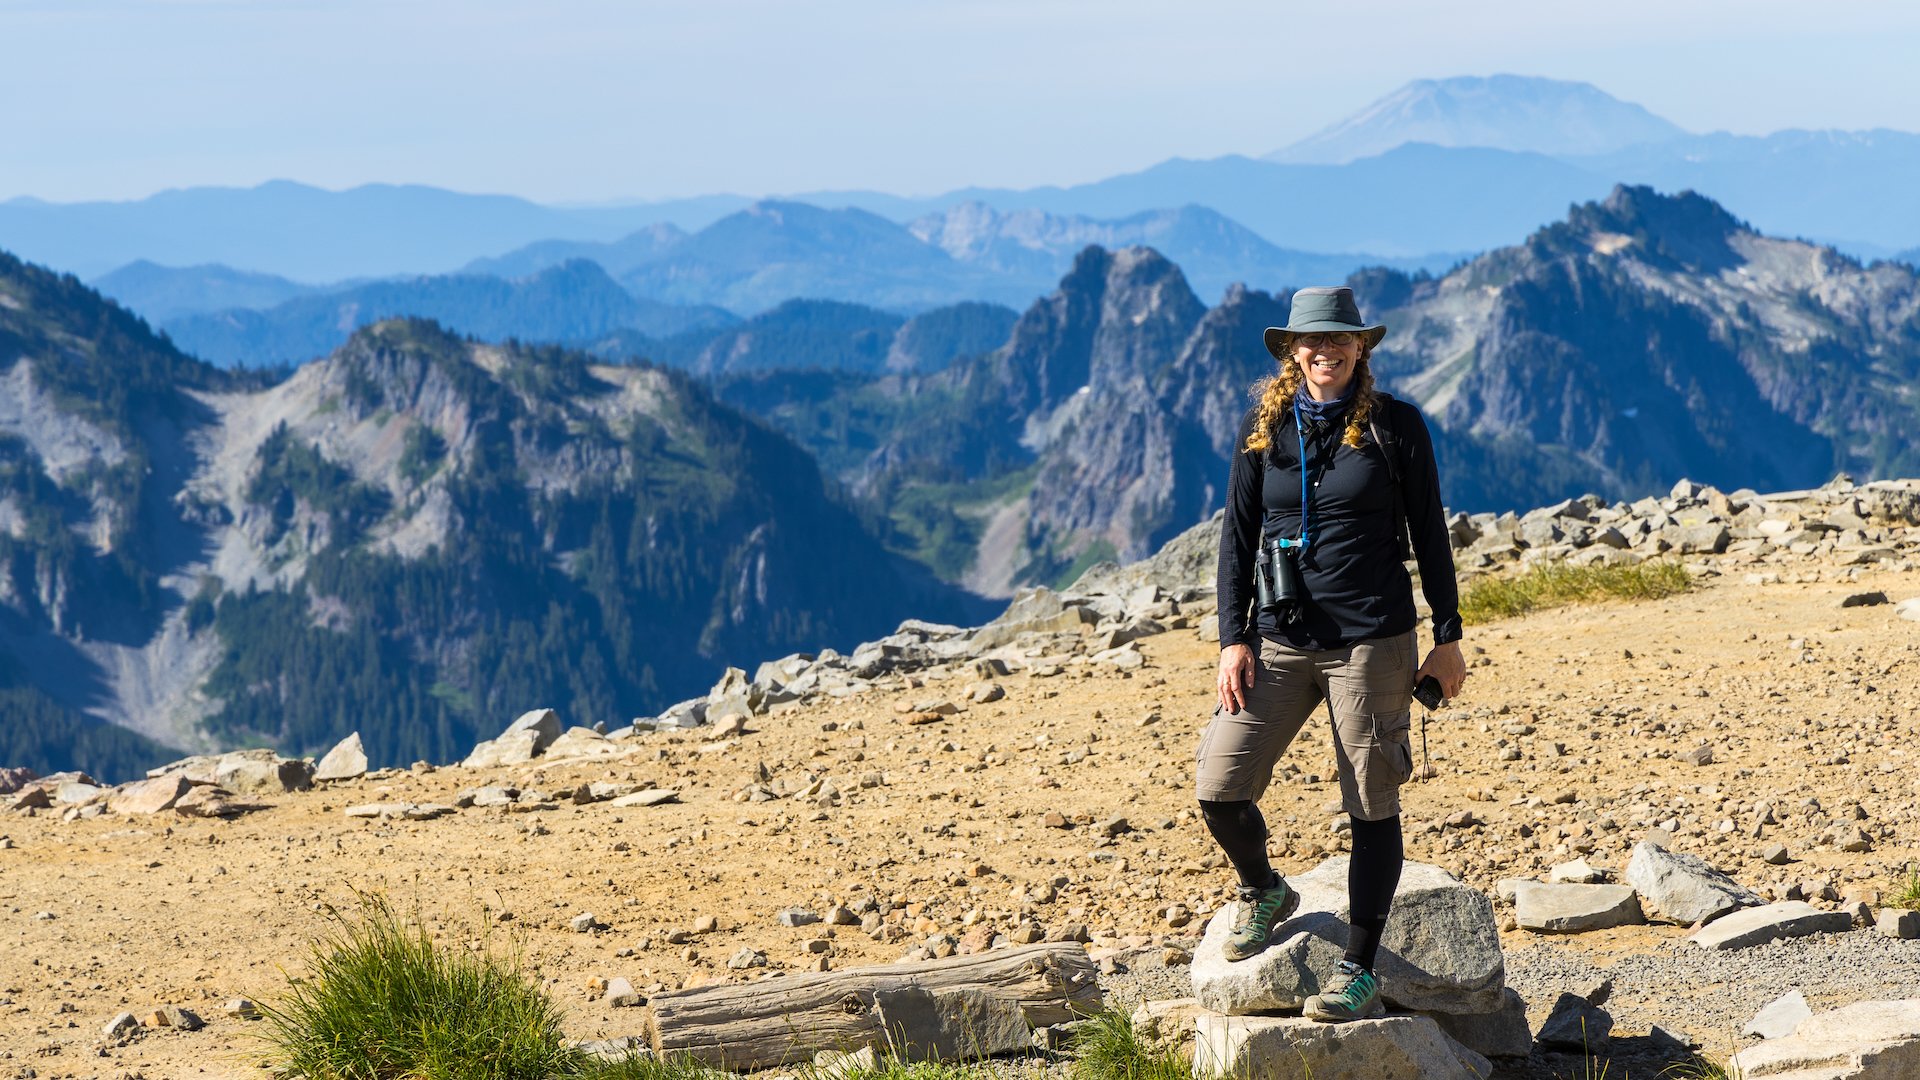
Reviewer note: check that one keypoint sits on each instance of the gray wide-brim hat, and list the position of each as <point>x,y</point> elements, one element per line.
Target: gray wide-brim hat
<point>1322,309</point>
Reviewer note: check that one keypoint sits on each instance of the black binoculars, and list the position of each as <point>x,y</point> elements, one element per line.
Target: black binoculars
<point>1277,580</point>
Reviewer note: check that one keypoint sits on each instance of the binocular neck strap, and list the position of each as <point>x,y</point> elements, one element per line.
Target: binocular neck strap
<point>1300,432</point>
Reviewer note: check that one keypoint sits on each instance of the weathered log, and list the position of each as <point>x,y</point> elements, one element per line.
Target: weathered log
<point>779,1021</point>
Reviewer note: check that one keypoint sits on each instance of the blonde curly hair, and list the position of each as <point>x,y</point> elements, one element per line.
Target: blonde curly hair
<point>1276,397</point>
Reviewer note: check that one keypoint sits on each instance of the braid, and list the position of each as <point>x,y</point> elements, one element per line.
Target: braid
<point>1362,400</point>
<point>1276,392</point>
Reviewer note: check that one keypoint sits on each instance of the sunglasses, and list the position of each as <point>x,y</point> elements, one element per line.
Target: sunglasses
<point>1339,339</point>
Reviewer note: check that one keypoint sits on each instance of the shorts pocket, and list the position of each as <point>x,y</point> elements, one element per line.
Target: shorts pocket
<point>1391,755</point>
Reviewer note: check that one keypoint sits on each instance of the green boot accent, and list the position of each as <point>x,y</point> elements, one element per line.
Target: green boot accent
<point>1352,994</point>
<point>1258,915</point>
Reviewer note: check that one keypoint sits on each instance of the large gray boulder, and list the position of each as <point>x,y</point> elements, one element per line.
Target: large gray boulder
<point>1440,952</point>
<point>1868,1040</point>
<point>1683,888</point>
<point>1286,1047</point>
<point>248,775</point>
<point>1502,1033</point>
<point>346,761</point>
<point>1757,926</point>
<point>523,741</point>
<point>1573,909</point>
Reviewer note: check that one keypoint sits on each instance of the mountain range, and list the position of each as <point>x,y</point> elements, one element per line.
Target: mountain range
<point>410,536</point>
<point>1444,165</point>
<point>421,532</point>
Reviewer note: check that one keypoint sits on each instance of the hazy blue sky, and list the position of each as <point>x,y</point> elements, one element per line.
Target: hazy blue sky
<point>611,99</point>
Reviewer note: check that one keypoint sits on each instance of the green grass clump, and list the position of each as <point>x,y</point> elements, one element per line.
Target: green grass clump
<point>383,1002</point>
<point>1699,1067</point>
<point>1110,1048</point>
<point>644,1067</point>
<point>1557,584</point>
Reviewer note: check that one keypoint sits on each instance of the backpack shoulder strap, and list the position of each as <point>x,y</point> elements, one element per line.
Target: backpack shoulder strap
<point>1380,427</point>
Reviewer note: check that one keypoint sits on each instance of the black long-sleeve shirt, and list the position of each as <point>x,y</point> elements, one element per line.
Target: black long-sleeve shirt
<point>1355,585</point>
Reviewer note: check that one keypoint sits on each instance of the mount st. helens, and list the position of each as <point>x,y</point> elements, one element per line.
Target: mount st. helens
<point>1642,339</point>
<point>406,537</point>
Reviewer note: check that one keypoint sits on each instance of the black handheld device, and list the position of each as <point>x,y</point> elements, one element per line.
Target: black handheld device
<point>1428,693</point>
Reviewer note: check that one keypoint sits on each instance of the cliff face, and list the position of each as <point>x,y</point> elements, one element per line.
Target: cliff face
<point>411,537</point>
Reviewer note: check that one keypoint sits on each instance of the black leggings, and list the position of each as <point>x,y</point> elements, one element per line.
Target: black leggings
<point>1373,872</point>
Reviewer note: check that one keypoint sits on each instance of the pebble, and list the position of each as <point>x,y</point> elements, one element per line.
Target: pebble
<point>797,916</point>
<point>241,1008</point>
<point>585,923</point>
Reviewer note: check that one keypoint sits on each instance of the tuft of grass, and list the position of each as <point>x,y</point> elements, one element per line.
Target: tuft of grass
<point>1908,894</point>
<point>1557,584</point>
<point>383,1002</point>
<point>1110,1048</point>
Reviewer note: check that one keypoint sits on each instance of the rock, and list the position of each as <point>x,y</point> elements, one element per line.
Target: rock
<point>512,748</point>
<point>1776,854</point>
<point>1683,888</point>
<point>836,1065</point>
<point>1863,599</point>
<point>580,742</point>
<point>241,1008</point>
<point>950,1025</point>
<point>1127,658</point>
<point>1757,926</point>
<point>1577,872</point>
<point>1575,1024</point>
<point>1502,1033</point>
<point>1169,1018</point>
<point>797,916</point>
<point>1868,1040</point>
<point>620,994</point>
<point>253,776</point>
<point>179,1019</point>
<point>1699,755</point>
<point>649,797</point>
<point>1440,951</point>
<point>1572,909</point>
<point>982,693</point>
<point>346,761</point>
<point>149,796</point>
<point>732,725</point>
<point>207,801</point>
<point>33,798</point>
<point>13,779</point>
<point>747,958</point>
<point>491,795</point>
<point>585,923</point>
<point>1898,923</point>
<point>1285,1047</point>
<point>122,1025</point>
<point>1779,1019</point>
<point>378,810</point>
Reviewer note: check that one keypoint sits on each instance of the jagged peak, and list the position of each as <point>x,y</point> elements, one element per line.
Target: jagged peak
<point>1685,229</point>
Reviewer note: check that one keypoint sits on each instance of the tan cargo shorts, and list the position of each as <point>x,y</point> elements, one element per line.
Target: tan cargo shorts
<point>1370,684</point>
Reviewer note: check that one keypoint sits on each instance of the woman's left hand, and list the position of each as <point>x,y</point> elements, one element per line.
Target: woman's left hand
<point>1445,664</point>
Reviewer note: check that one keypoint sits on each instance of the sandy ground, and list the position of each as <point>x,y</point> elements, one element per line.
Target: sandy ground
<point>1799,698</point>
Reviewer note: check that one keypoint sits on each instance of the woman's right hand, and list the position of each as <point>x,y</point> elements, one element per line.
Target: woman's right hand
<point>1236,676</point>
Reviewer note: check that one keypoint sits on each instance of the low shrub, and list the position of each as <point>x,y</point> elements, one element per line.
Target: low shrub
<point>1557,584</point>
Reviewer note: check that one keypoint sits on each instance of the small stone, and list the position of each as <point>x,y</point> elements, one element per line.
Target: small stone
<point>180,1019</point>
<point>1863,599</point>
<point>747,958</point>
<point>1174,956</point>
<point>1113,827</point>
<point>1699,755</point>
<point>585,923</point>
<point>1576,1025</point>
<point>1775,854</point>
<point>1577,872</point>
<point>620,994</point>
<point>241,1008</point>
<point>123,1024</point>
<point>1054,819</point>
<point>707,924</point>
<point>984,692</point>
<point>797,916</point>
<point>649,797</point>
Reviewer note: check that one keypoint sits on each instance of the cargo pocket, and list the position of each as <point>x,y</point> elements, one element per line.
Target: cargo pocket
<point>1391,757</point>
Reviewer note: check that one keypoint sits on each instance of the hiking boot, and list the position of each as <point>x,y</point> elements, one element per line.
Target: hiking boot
<point>1260,911</point>
<point>1352,994</point>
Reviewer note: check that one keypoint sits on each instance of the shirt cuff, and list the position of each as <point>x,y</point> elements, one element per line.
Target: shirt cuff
<point>1447,630</point>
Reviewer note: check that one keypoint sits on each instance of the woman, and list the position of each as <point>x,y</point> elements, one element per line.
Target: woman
<point>1327,468</point>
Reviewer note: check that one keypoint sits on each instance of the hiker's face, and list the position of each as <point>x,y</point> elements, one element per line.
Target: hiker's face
<point>1327,362</point>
